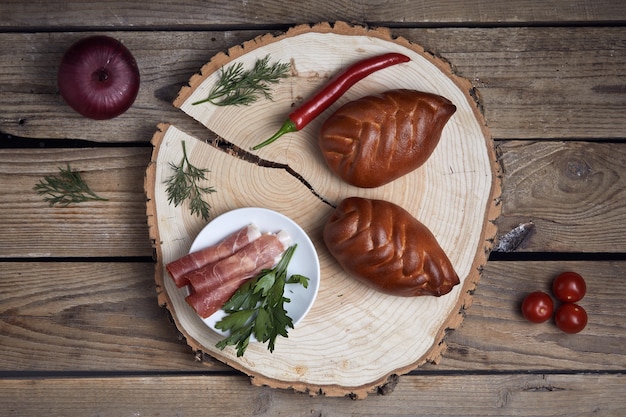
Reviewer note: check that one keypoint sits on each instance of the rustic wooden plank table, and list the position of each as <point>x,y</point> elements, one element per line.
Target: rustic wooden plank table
<point>81,333</point>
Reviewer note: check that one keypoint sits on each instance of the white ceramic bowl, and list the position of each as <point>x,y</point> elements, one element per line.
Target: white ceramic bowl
<point>304,261</point>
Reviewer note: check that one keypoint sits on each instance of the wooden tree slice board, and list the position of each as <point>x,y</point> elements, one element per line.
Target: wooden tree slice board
<point>354,338</point>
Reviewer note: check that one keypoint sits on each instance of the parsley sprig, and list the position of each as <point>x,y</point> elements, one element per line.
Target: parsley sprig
<point>257,308</point>
<point>66,188</point>
<point>183,185</point>
<point>237,86</point>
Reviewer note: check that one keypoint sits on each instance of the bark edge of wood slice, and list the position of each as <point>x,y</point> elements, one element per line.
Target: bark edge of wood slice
<point>172,240</point>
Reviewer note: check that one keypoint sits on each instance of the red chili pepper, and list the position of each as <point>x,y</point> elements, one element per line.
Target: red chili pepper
<point>335,88</point>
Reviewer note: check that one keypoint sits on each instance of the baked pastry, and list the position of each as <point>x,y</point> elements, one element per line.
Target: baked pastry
<point>376,139</point>
<point>384,246</point>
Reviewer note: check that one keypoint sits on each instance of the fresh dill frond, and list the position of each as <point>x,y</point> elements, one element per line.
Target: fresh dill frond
<point>183,185</point>
<point>237,86</point>
<point>66,188</point>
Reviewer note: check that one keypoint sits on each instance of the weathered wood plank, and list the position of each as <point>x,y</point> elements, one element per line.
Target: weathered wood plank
<point>117,227</point>
<point>564,83</point>
<point>226,396</point>
<point>568,189</point>
<point>105,317</point>
<point>32,106</point>
<point>494,335</point>
<point>136,14</point>
<point>572,191</point>
<point>85,316</point>
<point>534,82</point>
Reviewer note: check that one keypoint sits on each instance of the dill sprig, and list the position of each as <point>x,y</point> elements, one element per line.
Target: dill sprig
<point>237,86</point>
<point>183,185</point>
<point>66,188</point>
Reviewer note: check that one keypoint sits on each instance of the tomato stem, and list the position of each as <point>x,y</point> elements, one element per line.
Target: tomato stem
<point>287,127</point>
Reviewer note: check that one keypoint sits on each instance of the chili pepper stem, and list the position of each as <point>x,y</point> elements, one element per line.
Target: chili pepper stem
<point>287,127</point>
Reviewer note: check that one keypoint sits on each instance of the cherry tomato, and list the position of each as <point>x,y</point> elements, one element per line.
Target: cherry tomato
<point>569,287</point>
<point>537,307</point>
<point>571,318</point>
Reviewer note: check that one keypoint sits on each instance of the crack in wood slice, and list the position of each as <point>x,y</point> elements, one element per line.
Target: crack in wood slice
<point>236,151</point>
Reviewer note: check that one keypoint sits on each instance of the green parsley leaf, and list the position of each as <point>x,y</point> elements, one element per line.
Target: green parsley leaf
<point>257,308</point>
<point>298,279</point>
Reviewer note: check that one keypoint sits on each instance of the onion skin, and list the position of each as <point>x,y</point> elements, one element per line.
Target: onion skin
<point>98,77</point>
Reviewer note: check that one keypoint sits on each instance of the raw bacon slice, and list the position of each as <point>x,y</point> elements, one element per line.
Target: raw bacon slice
<point>261,253</point>
<point>207,303</point>
<point>226,247</point>
<point>214,284</point>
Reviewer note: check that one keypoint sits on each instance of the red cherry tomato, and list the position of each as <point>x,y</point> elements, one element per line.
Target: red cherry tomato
<point>569,287</point>
<point>571,318</point>
<point>537,307</point>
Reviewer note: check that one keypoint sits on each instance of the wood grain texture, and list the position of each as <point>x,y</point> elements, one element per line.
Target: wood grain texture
<point>104,317</point>
<point>564,83</point>
<point>568,86</point>
<point>232,396</point>
<point>568,188</point>
<point>571,191</point>
<point>34,107</point>
<point>495,336</point>
<point>30,228</point>
<point>196,13</point>
<point>87,338</point>
<point>85,317</point>
<point>313,357</point>
<point>462,226</point>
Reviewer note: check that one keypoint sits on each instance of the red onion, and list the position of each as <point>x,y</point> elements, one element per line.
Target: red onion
<point>98,77</point>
